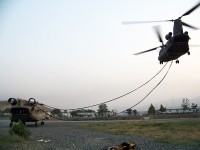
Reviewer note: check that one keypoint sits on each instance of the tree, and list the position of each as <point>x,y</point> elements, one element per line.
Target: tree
<point>129,111</point>
<point>135,112</point>
<point>194,106</point>
<point>114,112</point>
<point>102,109</point>
<point>185,104</point>
<point>152,110</point>
<point>57,112</point>
<point>74,113</point>
<point>162,109</point>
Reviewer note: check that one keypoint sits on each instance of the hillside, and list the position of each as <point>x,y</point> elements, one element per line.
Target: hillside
<point>4,104</point>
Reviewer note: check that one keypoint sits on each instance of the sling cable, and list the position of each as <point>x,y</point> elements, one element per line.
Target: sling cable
<point>113,98</point>
<point>151,90</point>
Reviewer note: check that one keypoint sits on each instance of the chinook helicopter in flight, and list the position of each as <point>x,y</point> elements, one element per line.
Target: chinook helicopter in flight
<point>27,111</point>
<point>177,42</point>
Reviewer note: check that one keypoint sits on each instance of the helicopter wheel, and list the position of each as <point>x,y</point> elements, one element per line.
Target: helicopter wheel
<point>11,124</point>
<point>42,123</point>
<point>188,53</point>
<point>177,61</point>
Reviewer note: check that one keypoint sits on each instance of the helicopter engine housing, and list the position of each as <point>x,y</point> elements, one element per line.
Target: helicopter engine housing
<point>12,101</point>
<point>32,101</point>
<point>168,36</point>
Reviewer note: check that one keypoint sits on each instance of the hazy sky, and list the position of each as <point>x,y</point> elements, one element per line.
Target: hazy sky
<point>75,53</point>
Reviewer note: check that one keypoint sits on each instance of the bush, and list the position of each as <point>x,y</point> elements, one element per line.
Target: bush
<point>20,130</point>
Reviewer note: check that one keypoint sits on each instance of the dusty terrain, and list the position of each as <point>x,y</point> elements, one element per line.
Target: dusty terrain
<point>59,135</point>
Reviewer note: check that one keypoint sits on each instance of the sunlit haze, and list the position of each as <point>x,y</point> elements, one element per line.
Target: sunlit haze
<point>70,54</point>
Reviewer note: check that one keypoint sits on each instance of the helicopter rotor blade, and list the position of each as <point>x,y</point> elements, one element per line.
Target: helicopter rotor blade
<point>157,30</point>
<point>139,22</point>
<point>185,14</point>
<point>190,26</point>
<point>194,45</point>
<point>190,10</point>
<point>152,49</point>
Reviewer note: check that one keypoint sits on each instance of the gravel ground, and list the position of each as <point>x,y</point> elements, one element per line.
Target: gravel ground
<point>68,136</point>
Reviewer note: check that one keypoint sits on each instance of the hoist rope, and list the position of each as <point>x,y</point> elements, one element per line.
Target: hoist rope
<point>151,90</point>
<point>122,95</point>
<point>113,98</point>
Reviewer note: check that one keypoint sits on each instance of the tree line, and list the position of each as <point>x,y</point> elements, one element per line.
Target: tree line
<point>104,111</point>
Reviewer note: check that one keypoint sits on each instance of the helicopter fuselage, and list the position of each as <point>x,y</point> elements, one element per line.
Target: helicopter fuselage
<point>26,114</point>
<point>26,111</point>
<point>176,45</point>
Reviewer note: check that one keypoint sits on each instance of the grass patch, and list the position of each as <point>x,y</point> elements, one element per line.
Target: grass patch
<point>177,132</point>
<point>18,133</point>
<point>20,130</point>
<point>6,140</point>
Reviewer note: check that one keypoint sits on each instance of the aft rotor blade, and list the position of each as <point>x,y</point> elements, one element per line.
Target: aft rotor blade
<point>191,10</point>
<point>157,30</point>
<point>190,26</point>
<point>147,51</point>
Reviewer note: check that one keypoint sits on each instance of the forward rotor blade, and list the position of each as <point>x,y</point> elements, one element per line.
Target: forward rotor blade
<point>157,30</point>
<point>138,22</point>
<point>190,26</point>
<point>147,51</point>
<point>191,10</point>
<point>194,45</point>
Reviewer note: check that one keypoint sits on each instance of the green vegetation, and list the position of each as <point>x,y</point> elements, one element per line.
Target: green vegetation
<point>102,109</point>
<point>177,132</point>
<point>152,110</point>
<point>17,134</point>
<point>57,112</point>
<point>9,139</point>
<point>20,130</point>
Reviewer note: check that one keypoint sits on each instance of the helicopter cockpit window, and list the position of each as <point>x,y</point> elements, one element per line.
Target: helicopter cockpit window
<point>19,111</point>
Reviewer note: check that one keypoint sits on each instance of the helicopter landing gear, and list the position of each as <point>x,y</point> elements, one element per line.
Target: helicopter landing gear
<point>11,124</point>
<point>177,61</point>
<point>188,53</point>
<point>35,124</point>
<point>42,123</point>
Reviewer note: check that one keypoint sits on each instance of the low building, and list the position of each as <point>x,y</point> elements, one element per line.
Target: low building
<point>66,114</point>
<point>86,114</point>
<point>180,111</point>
